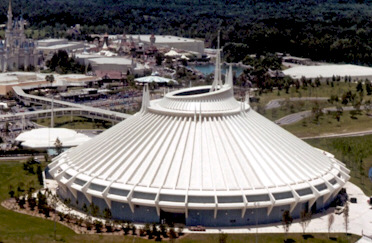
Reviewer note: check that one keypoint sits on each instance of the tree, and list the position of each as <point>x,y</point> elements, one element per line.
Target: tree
<point>94,210</point>
<point>338,112</point>
<point>49,78</point>
<point>11,191</point>
<point>126,228</point>
<point>98,226</point>
<point>359,87</point>
<point>39,173</point>
<point>58,145</point>
<point>41,201</point>
<point>107,213</point>
<point>222,238</point>
<point>316,111</point>
<point>163,230</point>
<point>22,202</point>
<point>368,87</point>
<point>305,219</point>
<point>367,106</point>
<point>346,216</point>
<point>134,228</point>
<point>286,221</point>
<point>172,234</point>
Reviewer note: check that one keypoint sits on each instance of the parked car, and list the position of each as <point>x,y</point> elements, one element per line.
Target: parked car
<point>197,228</point>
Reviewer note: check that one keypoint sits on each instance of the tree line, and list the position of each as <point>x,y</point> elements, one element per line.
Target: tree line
<point>324,30</point>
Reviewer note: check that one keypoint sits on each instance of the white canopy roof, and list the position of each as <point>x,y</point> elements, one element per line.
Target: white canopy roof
<point>156,79</point>
<point>328,71</point>
<point>46,137</point>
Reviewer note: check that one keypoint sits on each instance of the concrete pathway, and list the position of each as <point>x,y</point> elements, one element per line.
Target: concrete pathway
<point>278,102</point>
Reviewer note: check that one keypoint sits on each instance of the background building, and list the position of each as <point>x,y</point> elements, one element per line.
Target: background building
<point>330,71</point>
<point>17,52</point>
<point>50,46</point>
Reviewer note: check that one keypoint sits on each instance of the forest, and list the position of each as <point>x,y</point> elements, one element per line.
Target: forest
<point>323,30</point>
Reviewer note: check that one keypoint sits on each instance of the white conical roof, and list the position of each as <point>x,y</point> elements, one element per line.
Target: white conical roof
<point>196,142</point>
<point>199,148</point>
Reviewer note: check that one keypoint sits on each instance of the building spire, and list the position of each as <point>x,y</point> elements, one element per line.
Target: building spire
<point>217,83</point>
<point>145,98</point>
<point>10,16</point>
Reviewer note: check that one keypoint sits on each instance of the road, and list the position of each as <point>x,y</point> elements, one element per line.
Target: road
<point>277,102</point>
<point>295,117</point>
<point>338,135</point>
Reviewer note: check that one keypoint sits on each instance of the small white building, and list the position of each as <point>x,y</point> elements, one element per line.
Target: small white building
<point>328,71</point>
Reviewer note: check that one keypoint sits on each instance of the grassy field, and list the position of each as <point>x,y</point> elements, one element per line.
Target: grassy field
<point>77,122</point>
<point>16,227</point>
<point>322,91</point>
<point>290,107</point>
<point>355,152</point>
<point>327,124</point>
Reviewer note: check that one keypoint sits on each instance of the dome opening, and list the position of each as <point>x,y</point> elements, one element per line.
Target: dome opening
<point>192,92</point>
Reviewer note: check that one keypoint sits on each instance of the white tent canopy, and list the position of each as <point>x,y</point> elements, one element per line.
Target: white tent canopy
<point>172,53</point>
<point>156,79</point>
<point>46,137</point>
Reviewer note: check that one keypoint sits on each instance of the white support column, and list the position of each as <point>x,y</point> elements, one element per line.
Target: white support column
<point>73,191</point>
<point>244,209</point>
<point>129,198</point>
<point>316,196</point>
<point>84,190</point>
<point>105,193</point>
<point>186,203</point>
<point>330,188</point>
<point>157,203</point>
<point>270,208</point>
<point>297,199</point>
<point>216,206</point>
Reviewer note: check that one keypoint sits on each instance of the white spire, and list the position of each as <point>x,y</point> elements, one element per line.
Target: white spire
<point>247,97</point>
<point>217,83</point>
<point>227,77</point>
<point>145,98</point>
<point>230,76</point>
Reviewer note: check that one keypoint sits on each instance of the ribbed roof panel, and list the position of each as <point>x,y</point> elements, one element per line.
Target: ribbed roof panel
<point>208,143</point>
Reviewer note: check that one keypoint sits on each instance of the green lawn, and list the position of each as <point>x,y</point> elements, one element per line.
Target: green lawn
<point>355,152</point>
<point>322,91</point>
<point>327,124</point>
<point>290,107</point>
<point>18,227</point>
<point>76,122</point>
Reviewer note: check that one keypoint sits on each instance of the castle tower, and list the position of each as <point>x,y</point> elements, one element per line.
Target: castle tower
<point>152,39</point>
<point>123,39</point>
<point>17,51</point>
<point>10,17</point>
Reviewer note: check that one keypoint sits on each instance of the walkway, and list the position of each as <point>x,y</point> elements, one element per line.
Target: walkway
<point>66,108</point>
<point>277,102</point>
<point>296,117</point>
